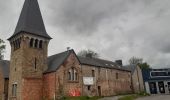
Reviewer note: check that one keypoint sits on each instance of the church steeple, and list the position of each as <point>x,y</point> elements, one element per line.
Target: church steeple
<point>31,20</point>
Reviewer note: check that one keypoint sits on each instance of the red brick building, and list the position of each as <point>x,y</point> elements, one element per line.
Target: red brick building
<point>34,76</point>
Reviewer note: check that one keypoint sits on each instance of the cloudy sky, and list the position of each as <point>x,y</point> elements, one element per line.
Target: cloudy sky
<point>116,29</point>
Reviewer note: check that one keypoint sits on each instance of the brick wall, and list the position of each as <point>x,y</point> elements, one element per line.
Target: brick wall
<point>49,85</point>
<point>32,88</point>
<point>56,84</point>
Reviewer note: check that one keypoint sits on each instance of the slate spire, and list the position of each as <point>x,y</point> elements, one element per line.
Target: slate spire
<point>31,20</point>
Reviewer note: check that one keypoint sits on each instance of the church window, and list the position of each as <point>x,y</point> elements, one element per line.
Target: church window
<point>93,73</point>
<point>72,74</point>
<point>36,43</point>
<point>69,75</point>
<point>14,90</point>
<point>40,44</point>
<point>31,42</point>
<point>14,45</point>
<point>117,75</point>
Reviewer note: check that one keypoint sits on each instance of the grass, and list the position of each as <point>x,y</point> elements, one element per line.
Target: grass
<point>133,96</point>
<point>129,97</point>
<point>81,98</point>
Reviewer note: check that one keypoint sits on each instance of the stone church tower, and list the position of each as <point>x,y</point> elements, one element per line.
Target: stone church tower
<point>29,46</point>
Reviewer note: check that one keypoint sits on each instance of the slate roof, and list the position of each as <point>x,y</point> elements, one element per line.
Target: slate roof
<point>99,63</point>
<point>131,67</point>
<point>4,65</point>
<point>56,60</point>
<point>31,20</point>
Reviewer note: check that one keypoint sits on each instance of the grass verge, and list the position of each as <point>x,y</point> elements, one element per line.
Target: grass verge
<point>81,98</point>
<point>133,96</point>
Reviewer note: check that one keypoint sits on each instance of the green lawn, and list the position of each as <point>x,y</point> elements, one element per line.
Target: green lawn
<point>81,98</point>
<point>133,96</point>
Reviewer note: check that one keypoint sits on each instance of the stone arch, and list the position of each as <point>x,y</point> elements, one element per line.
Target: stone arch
<point>36,43</point>
<point>31,42</point>
<point>40,44</point>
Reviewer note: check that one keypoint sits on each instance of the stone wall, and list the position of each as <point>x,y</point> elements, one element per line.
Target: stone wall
<point>137,79</point>
<point>1,84</point>
<point>106,79</point>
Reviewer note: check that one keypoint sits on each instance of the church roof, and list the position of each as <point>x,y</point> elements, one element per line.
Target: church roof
<point>100,63</point>
<point>55,61</point>
<point>31,20</point>
<point>4,65</point>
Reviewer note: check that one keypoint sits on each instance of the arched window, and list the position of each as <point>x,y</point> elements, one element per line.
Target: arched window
<point>31,42</point>
<point>18,44</point>
<point>36,43</point>
<point>14,44</point>
<point>72,74</point>
<point>69,75</point>
<point>40,44</point>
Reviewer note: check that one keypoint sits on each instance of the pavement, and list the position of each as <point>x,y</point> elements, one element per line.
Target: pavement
<point>152,97</point>
<point>155,97</point>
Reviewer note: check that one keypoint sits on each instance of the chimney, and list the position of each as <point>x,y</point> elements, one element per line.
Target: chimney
<point>119,62</point>
<point>89,55</point>
<point>68,48</point>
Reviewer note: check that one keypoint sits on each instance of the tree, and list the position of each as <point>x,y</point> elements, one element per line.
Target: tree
<point>2,48</point>
<point>144,66</point>
<point>139,61</point>
<point>88,53</point>
<point>135,60</point>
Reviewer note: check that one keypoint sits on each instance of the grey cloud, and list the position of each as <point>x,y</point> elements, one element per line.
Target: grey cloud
<point>117,29</point>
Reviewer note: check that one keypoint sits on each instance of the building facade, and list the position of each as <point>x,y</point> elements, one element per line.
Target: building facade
<point>4,79</point>
<point>34,76</point>
<point>137,78</point>
<point>157,81</point>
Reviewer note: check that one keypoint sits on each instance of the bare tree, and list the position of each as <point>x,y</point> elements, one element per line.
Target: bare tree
<point>2,47</point>
<point>88,53</point>
<point>135,60</point>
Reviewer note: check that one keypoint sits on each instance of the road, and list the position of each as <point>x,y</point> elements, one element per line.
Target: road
<point>156,97</point>
<point>152,97</point>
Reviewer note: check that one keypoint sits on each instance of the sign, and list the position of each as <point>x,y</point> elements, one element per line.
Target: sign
<point>88,80</point>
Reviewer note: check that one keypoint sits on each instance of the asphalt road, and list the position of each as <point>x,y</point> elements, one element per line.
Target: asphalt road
<point>156,97</point>
<point>152,97</point>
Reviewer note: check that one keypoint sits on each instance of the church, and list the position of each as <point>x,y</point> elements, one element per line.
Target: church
<point>33,75</point>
